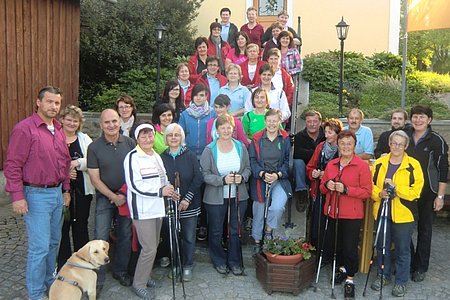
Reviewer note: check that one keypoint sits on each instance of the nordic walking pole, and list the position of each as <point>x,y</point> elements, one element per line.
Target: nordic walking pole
<point>335,244</point>
<point>177,233</point>
<point>381,212</point>
<point>229,211</point>
<point>239,224</point>
<point>169,216</point>
<point>321,249</point>
<point>266,207</point>
<point>384,244</point>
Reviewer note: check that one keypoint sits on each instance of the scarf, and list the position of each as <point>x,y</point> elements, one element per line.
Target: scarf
<point>198,112</point>
<point>329,151</point>
<point>126,126</point>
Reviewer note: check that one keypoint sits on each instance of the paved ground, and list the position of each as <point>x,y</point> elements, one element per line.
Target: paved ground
<point>207,283</point>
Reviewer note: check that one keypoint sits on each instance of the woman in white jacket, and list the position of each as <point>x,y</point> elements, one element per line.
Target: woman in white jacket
<point>147,184</point>
<point>80,184</point>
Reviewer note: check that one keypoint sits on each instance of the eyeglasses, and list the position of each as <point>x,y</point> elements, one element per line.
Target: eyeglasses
<point>169,135</point>
<point>395,145</point>
<point>213,65</point>
<point>175,90</point>
<point>125,107</point>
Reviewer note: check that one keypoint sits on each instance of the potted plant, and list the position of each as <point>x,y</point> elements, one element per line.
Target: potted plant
<point>285,250</point>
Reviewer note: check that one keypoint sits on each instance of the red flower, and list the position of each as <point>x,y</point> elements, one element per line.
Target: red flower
<point>306,246</point>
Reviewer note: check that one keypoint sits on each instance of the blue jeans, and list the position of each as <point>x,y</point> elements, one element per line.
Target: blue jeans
<point>43,222</point>
<point>274,213</point>
<point>216,220</point>
<point>300,175</point>
<point>188,234</point>
<point>104,214</point>
<point>400,234</point>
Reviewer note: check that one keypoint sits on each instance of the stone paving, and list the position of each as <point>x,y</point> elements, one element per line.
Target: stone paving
<point>208,284</point>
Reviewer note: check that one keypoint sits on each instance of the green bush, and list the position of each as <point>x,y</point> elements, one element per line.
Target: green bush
<point>434,82</point>
<point>139,84</point>
<point>379,97</point>
<point>322,71</point>
<point>326,103</point>
<point>389,64</point>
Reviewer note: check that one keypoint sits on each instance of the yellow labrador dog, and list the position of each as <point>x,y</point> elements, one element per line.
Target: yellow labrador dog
<point>77,276</point>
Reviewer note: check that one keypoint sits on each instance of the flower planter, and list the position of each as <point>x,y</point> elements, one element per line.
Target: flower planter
<point>290,278</point>
<point>283,259</point>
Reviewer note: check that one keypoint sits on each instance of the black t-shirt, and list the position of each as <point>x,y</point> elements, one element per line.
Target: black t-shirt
<point>76,153</point>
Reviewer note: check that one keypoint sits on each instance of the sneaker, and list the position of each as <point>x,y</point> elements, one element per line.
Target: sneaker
<point>142,293</point>
<point>339,277</point>
<point>248,224</point>
<point>236,270</point>
<point>349,290</point>
<point>301,200</point>
<point>153,284</point>
<point>123,278</point>
<point>222,269</point>
<point>164,262</point>
<point>202,234</point>
<point>256,249</point>
<point>418,276</point>
<point>187,275</point>
<point>376,285</point>
<point>399,290</point>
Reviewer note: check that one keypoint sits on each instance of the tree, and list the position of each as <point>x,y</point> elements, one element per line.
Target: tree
<point>119,37</point>
<point>428,49</point>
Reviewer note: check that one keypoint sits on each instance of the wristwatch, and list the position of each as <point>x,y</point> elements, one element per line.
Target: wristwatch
<point>441,197</point>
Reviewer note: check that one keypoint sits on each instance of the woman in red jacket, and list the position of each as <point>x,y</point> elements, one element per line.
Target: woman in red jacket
<point>346,182</point>
<point>324,153</point>
<point>197,62</point>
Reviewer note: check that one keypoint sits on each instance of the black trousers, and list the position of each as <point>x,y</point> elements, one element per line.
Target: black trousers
<point>420,255</point>
<point>79,214</point>
<point>347,243</point>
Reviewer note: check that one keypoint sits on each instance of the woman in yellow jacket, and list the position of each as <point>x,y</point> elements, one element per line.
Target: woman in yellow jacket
<point>399,178</point>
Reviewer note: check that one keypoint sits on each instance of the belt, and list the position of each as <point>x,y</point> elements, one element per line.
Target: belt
<point>44,186</point>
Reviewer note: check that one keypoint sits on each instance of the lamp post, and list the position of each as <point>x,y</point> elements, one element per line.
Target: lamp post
<point>342,31</point>
<point>159,30</point>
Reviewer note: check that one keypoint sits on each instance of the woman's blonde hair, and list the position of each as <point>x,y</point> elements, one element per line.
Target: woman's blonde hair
<point>74,112</point>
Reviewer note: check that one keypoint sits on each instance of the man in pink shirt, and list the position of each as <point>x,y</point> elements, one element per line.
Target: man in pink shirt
<point>37,171</point>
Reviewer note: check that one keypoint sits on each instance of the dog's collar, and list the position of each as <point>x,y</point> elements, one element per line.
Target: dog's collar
<point>80,266</point>
<point>72,282</point>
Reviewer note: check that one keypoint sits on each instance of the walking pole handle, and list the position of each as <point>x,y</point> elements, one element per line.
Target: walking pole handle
<point>177,181</point>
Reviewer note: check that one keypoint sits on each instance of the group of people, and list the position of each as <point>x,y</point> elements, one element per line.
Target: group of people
<point>217,149</point>
<point>335,168</point>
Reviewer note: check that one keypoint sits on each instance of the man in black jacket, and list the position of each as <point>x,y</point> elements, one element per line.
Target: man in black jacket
<point>431,150</point>
<point>229,30</point>
<point>305,142</point>
<point>398,122</point>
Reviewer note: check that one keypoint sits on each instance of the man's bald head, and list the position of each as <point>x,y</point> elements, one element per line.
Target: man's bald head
<point>110,123</point>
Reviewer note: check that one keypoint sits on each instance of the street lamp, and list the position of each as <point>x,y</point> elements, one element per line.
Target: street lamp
<point>159,30</point>
<point>342,31</point>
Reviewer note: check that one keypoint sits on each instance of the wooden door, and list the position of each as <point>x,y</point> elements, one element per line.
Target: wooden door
<point>268,10</point>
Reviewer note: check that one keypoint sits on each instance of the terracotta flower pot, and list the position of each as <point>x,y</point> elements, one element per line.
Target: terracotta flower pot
<point>284,259</point>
